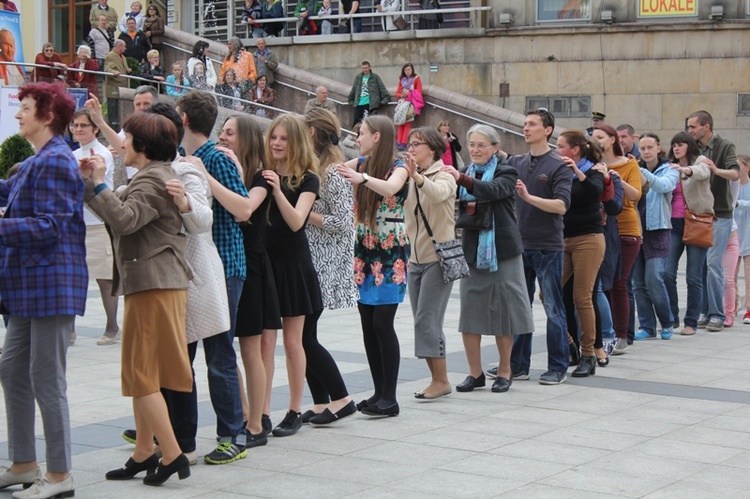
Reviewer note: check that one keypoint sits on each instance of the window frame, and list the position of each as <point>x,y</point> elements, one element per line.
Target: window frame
<point>568,101</point>
<point>588,19</point>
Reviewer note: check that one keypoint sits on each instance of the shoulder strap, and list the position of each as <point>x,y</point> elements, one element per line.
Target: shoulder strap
<point>421,212</point>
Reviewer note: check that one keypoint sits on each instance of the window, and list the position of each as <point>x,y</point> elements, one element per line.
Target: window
<point>564,106</point>
<point>563,10</point>
<point>743,104</point>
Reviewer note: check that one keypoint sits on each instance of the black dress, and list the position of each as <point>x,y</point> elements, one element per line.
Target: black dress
<point>296,280</point>
<point>258,308</point>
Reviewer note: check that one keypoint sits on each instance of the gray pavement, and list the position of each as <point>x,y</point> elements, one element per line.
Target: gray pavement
<point>667,419</point>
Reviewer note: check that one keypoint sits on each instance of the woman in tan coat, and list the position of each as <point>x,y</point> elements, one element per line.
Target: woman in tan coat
<point>433,192</point>
<point>152,273</point>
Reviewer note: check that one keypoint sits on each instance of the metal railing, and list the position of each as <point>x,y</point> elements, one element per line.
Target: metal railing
<point>341,103</point>
<point>218,20</point>
<point>406,13</point>
<point>152,82</point>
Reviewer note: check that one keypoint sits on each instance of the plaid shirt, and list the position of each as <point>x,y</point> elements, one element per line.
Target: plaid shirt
<point>226,232</point>
<point>42,236</point>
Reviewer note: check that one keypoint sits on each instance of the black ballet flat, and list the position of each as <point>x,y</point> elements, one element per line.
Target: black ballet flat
<point>132,468</point>
<point>364,403</point>
<point>470,383</point>
<point>181,466</point>
<point>603,362</point>
<point>375,410</point>
<point>328,417</point>
<point>308,415</point>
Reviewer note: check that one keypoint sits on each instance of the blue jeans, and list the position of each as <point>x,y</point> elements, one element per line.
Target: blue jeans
<point>546,266</point>
<point>696,261</point>
<point>713,273</point>
<point>223,384</point>
<point>605,314</point>
<point>651,293</point>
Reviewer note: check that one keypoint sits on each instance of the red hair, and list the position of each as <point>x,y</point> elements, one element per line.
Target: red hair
<point>50,98</point>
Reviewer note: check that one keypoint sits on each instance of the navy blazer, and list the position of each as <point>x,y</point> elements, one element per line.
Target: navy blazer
<point>501,192</point>
<point>43,271</point>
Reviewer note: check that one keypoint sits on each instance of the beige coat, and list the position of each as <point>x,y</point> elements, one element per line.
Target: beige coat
<point>114,62</point>
<point>146,230</point>
<point>437,197</point>
<point>696,189</point>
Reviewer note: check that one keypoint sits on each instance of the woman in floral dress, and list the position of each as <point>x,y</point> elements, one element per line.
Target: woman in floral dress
<point>380,255</point>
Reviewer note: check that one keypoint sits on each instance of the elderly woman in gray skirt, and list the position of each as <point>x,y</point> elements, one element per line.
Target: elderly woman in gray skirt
<point>436,192</point>
<point>494,300</point>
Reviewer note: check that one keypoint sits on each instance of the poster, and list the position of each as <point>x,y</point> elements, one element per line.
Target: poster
<point>11,48</point>
<point>80,96</point>
<point>563,10</point>
<point>9,106</point>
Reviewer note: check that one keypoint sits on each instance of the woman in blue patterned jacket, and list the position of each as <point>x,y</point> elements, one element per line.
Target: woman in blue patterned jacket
<point>43,283</point>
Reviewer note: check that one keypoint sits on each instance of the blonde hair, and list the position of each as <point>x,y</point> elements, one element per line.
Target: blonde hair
<point>326,137</point>
<point>152,53</point>
<point>300,154</point>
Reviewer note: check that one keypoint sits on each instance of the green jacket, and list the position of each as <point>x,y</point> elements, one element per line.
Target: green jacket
<point>378,93</point>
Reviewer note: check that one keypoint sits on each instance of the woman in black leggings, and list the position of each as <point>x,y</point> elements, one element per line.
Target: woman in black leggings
<point>330,233</point>
<point>380,254</point>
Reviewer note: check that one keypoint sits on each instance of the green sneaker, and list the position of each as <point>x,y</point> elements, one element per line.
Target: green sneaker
<point>226,452</point>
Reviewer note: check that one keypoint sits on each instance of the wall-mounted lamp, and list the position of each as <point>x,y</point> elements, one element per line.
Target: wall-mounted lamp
<point>506,19</point>
<point>608,16</point>
<point>717,13</point>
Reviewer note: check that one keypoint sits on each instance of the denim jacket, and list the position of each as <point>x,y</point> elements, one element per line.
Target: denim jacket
<point>659,197</point>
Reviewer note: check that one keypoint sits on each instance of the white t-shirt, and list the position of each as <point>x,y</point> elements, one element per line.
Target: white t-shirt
<point>89,217</point>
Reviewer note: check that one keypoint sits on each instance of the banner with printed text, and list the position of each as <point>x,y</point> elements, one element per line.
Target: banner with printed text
<point>667,8</point>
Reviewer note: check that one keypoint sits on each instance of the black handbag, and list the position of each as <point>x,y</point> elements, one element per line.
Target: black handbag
<point>474,215</point>
<point>450,253</point>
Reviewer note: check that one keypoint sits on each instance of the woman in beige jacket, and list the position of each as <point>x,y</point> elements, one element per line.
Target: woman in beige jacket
<point>434,192</point>
<point>693,191</point>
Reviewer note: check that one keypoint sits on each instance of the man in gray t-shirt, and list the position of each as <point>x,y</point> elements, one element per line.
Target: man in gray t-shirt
<point>543,197</point>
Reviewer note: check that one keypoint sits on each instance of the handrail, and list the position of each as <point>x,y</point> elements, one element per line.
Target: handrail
<point>458,113</point>
<point>410,13</point>
<point>309,92</point>
<point>130,77</point>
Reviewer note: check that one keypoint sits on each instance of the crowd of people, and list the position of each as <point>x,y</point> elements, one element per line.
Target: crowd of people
<point>312,17</point>
<point>264,231</point>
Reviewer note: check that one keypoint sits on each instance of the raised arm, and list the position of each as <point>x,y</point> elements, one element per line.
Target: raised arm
<point>385,188</point>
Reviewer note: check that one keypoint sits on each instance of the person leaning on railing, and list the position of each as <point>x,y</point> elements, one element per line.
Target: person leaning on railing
<point>79,79</point>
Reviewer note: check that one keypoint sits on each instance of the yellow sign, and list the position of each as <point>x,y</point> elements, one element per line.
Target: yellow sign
<point>667,8</point>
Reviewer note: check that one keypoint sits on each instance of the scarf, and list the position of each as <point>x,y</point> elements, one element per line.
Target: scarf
<point>486,250</point>
<point>584,165</point>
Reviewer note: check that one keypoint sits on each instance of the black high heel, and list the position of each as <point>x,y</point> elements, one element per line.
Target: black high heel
<point>586,367</point>
<point>603,362</point>
<point>575,354</point>
<point>132,468</point>
<point>181,466</point>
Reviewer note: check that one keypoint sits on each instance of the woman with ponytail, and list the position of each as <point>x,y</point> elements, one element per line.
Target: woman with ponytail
<point>584,244</point>
<point>330,231</point>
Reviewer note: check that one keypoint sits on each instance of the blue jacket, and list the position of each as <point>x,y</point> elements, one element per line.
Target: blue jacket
<point>43,270</point>
<point>659,197</point>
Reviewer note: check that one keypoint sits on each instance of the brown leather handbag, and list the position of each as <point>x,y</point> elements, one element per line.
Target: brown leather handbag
<point>699,229</point>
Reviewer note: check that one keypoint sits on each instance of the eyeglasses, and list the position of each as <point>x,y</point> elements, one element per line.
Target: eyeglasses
<point>414,145</point>
<point>479,146</point>
<point>80,125</point>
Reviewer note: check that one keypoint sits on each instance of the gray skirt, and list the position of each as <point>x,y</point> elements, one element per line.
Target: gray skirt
<point>496,303</point>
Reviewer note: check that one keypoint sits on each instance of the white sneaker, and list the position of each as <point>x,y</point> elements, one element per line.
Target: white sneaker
<point>109,340</point>
<point>43,489</point>
<point>620,346</point>
<point>8,478</point>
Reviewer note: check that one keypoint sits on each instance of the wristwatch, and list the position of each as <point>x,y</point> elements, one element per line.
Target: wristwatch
<point>366,178</point>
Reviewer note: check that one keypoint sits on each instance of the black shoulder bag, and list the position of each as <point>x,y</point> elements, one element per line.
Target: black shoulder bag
<point>450,253</point>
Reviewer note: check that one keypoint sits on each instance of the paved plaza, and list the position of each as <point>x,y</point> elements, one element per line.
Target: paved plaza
<point>667,419</point>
